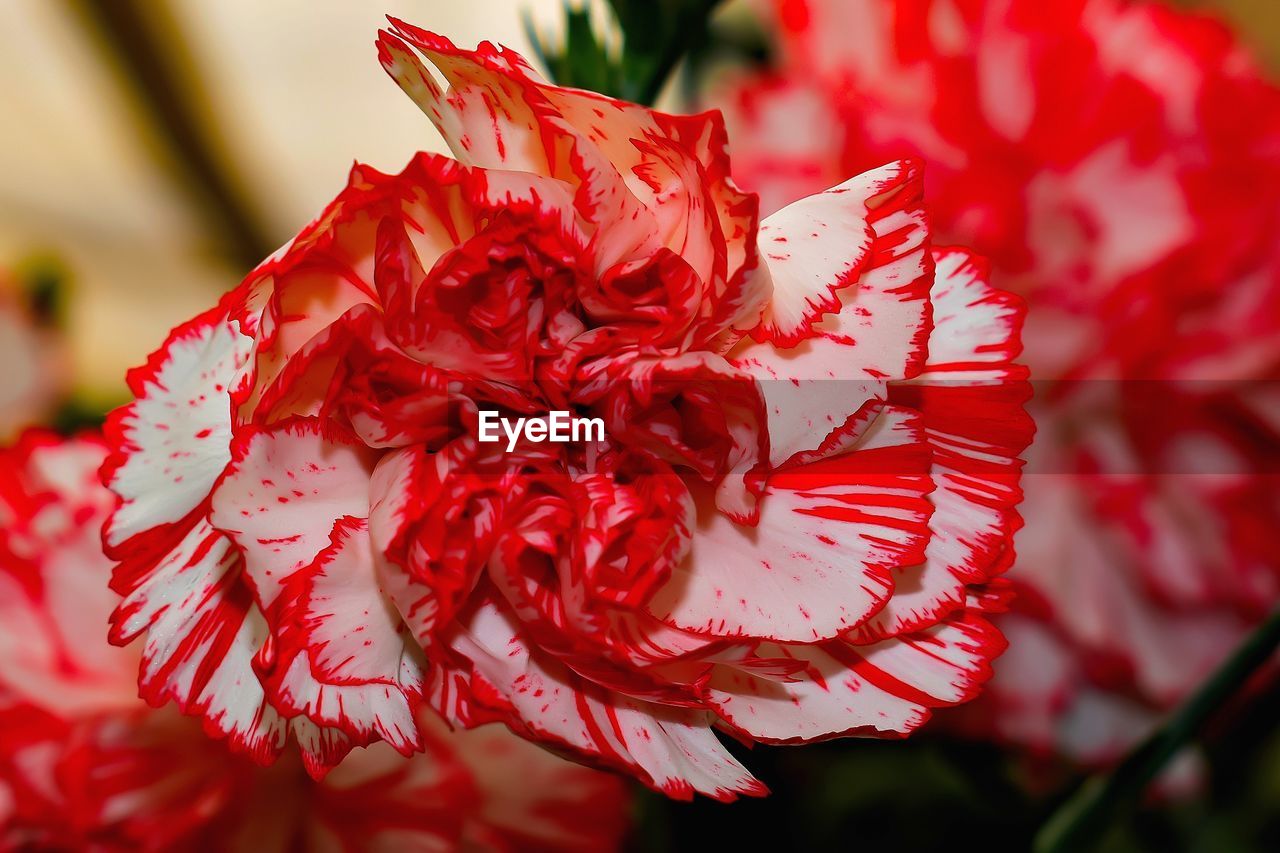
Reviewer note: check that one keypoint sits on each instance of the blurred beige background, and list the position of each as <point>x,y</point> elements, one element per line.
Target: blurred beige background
<point>289,94</point>
<point>285,93</point>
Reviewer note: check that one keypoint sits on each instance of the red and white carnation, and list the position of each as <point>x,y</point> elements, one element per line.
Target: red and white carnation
<point>1119,162</point>
<point>807,481</point>
<point>84,764</point>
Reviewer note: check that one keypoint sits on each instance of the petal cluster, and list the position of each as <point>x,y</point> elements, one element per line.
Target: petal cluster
<point>790,530</point>
<point>84,764</point>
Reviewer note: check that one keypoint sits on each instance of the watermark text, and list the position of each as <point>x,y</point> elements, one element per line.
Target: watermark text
<point>558,426</point>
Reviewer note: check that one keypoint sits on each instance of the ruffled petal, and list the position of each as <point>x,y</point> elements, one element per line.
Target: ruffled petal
<point>284,491</point>
<point>433,525</point>
<point>171,444</point>
<point>342,657</point>
<point>862,330</point>
<point>496,114</point>
<point>820,560</point>
<point>972,396</point>
<point>489,114</point>
<point>201,630</point>
<point>671,750</point>
<point>819,246</point>
<point>883,689</point>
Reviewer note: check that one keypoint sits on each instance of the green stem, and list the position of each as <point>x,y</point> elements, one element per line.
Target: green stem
<point>693,29</point>
<point>656,36</point>
<point>1081,822</point>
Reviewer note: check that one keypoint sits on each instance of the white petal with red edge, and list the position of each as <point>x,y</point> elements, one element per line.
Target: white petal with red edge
<point>341,658</point>
<point>686,216</point>
<point>486,116</point>
<point>359,712</point>
<point>202,631</point>
<point>813,248</point>
<point>322,747</point>
<point>498,114</point>
<point>284,491</point>
<point>888,688</point>
<point>877,332</point>
<point>353,632</point>
<point>672,750</point>
<point>976,327</point>
<point>175,436</point>
<point>817,564</point>
<point>820,245</point>
<point>808,418</point>
<point>972,396</point>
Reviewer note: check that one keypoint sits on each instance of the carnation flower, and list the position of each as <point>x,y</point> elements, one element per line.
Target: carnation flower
<point>1119,164</point>
<point>85,765</point>
<point>788,532</point>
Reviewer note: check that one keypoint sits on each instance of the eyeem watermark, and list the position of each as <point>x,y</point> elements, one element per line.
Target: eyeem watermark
<point>558,426</point>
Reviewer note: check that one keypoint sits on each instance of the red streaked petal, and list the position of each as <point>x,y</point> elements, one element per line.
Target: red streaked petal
<point>818,562</point>
<point>284,491</point>
<point>822,244</point>
<point>885,689</point>
<point>487,116</point>
<point>201,630</point>
<point>875,330</point>
<point>498,114</point>
<point>340,656</point>
<point>972,398</point>
<point>352,632</point>
<point>433,524</point>
<point>671,750</point>
<point>171,444</point>
<point>330,719</point>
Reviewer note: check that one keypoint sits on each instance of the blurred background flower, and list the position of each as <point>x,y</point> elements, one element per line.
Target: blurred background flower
<point>85,764</point>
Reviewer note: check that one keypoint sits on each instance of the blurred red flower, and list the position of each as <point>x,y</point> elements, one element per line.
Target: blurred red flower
<point>84,764</point>
<point>1120,164</point>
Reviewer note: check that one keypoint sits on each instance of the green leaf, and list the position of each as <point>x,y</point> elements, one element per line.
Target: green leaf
<point>1085,818</point>
<point>655,35</point>
<point>44,279</point>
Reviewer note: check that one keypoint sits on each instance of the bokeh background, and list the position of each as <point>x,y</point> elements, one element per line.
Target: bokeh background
<point>154,150</point>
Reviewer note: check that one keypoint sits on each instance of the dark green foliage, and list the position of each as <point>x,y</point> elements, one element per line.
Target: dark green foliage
<point>1087,816</point>
<point>655,35</point>
<point>43,282</point>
